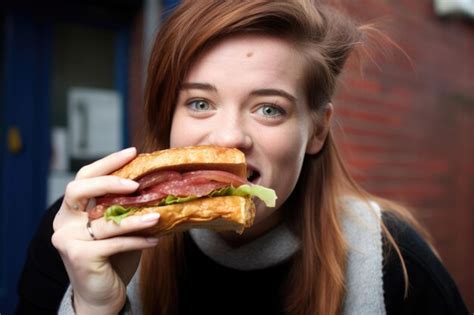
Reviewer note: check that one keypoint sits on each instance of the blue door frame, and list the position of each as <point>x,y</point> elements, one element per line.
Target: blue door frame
<point>26,106</point>
<point>24,174</point>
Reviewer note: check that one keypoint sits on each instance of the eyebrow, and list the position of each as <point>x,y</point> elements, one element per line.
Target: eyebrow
<point>274,92</point>
<point>198,86</point>
<point>258,92</point>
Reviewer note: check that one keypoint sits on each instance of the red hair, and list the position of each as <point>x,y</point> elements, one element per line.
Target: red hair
<point>325,39</point>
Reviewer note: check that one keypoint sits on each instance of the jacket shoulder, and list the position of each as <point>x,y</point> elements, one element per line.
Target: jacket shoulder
<point>431,289</point>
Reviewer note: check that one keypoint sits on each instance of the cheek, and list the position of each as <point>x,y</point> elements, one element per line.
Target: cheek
<point>286,146</point>
<point>289,151</point>
<point>182,131</point>
<point>175,134</point>
<point>289,164</point>
<point>285,153</point>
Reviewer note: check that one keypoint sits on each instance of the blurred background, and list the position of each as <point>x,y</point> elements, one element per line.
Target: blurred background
<point>71,85</point>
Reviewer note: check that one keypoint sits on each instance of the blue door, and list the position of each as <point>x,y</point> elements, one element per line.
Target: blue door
<point>29,109</point>
<point>25,144</point>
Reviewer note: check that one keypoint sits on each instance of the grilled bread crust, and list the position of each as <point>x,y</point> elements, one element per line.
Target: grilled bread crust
<point>186,159</point>
<point>227,213</point>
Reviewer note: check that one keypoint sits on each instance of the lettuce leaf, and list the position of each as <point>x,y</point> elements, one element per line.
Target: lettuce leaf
<point>117,212</point>
<point>267,195</point>
<point>170,199</point>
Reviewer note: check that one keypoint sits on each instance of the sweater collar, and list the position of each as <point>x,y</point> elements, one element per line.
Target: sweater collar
<point>270,249</point>
<point>362,231</point>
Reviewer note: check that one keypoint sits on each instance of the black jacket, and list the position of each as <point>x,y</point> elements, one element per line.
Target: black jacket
<point>206,285</point>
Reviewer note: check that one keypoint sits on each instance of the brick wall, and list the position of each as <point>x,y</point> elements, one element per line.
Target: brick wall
<point>407,127</point>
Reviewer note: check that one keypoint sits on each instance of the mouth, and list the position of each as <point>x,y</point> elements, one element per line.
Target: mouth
<point>252,175</point>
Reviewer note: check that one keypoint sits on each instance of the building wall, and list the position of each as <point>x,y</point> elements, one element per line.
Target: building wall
<point>407,123</point>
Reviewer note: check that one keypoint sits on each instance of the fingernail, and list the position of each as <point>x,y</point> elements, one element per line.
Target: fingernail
<point>128,151</point>
<point>128,182</point>
<point>150,217</point>
<point>152,240</point>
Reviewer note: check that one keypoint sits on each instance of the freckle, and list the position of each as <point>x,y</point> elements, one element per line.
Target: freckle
<point>250,54</point>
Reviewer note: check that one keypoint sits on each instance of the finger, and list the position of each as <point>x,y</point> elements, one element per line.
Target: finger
<point>82,255</point>
<point>91,204</point>
<point>112,246</point>
<point>107,164</point>
<point>103,229</point>
<point>77,205</point>
<point>78,192</point>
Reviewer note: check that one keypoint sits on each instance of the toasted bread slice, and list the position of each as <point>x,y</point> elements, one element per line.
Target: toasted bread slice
<point>228,213</point>
<point>186,159</point>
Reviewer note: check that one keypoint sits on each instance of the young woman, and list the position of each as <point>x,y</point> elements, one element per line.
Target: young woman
<point>258,76</point>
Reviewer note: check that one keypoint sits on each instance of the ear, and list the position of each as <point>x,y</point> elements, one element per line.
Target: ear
<point>320,128</point>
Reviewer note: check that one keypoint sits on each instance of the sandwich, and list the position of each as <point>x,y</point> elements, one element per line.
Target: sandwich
<point>190,187</point>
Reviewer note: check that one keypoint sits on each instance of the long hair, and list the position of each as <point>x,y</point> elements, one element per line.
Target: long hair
<point>324,38</point>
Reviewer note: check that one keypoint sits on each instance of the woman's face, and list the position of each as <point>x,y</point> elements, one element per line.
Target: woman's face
<point>246,92</point>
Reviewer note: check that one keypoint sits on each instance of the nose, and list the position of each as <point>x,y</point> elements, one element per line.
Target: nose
<point>231,134</point>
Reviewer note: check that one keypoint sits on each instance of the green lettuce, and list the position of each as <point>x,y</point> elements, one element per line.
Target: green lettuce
<point>267,195</point>
<point>117,212</point>
<point>169,200</point>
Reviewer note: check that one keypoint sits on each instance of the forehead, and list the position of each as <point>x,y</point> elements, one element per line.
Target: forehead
<point>258,58</point>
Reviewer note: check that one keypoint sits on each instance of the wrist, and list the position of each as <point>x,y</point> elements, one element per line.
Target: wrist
<point>81,306</point>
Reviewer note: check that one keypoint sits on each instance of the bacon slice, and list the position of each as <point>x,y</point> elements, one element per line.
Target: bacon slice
<point>156,186</point>
<point>129,201</point>
<point>156,178</point>
<point>96,212</point>
<point>184,188</point>
<point>218,176</point>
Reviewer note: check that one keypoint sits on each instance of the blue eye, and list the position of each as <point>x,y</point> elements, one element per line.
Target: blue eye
<point>271,111</point>
<point>199,105</point>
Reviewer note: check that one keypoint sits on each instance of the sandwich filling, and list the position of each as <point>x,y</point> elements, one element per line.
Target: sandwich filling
<point>168,187</point>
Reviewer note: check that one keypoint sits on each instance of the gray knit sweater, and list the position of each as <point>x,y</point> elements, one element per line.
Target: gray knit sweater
<point>362,230</point>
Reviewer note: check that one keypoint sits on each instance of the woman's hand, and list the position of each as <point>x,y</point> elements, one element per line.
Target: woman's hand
<point>99,286</point>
